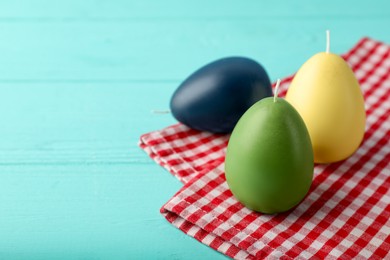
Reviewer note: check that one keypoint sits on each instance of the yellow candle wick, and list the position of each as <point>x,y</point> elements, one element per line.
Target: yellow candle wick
<point>327,41</point>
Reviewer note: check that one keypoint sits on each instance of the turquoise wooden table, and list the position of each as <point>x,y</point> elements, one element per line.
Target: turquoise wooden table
<point>78,80</point>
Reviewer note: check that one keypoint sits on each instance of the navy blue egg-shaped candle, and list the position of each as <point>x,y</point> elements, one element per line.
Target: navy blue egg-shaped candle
<point>214,97</point>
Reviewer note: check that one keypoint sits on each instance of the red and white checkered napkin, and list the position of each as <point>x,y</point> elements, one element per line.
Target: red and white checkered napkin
<point>346,213</point>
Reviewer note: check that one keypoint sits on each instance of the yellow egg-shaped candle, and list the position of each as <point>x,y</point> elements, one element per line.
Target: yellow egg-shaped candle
<point>327,95</point>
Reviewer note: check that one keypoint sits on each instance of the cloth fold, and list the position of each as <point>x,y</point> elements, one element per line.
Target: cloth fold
<point>345,214</point>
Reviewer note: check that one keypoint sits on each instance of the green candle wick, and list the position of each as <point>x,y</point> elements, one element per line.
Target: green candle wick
<point>276,89</point>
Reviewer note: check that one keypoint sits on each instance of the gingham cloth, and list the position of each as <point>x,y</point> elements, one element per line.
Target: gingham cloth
<point>346,213</point>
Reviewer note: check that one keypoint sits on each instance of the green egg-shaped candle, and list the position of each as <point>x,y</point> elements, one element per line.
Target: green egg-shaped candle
<point>269,160</point>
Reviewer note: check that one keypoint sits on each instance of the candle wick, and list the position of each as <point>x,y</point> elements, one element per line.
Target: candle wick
<point>276,89</point>
<point>156,111</point>
<point>327,41</point>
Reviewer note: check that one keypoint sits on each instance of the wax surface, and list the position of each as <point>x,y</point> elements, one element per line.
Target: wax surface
<point>269,160</point>
<point>214,97</point>
<point>328,97</point>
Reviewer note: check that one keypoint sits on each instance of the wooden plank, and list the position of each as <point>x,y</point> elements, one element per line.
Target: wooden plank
<point>89,212</point>
<point>93,10</point>
<point>73,181</point>
<point>79,124</point>
<point>163,51</point>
